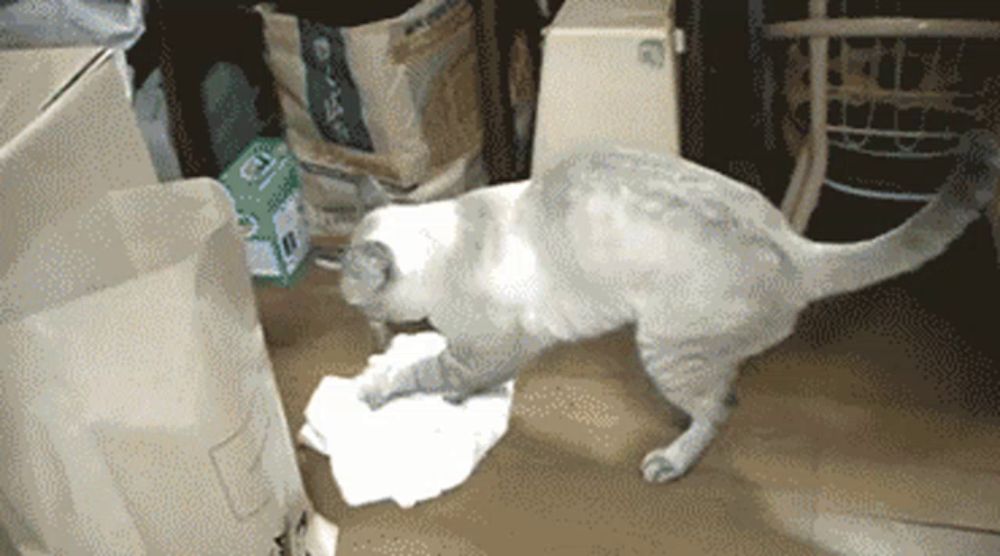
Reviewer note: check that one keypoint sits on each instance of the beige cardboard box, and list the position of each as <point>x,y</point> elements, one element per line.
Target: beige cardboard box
<point>609,76</point>
<point>138,411</point>
<point>67,135</point>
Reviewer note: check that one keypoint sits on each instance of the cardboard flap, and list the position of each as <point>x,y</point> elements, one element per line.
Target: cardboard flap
<point>144,370</point>
<point>110,241</point>
<point>77,139</point>
<point>31,80</point>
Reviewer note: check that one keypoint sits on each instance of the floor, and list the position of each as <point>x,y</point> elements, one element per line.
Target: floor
<point>874,430</point>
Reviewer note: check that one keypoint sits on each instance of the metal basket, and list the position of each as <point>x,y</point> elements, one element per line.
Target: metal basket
<point>872,80</point>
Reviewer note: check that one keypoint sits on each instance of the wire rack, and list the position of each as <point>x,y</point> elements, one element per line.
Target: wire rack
<point>897,81</point>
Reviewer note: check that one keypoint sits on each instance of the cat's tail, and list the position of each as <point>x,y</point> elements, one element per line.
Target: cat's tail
<point>838,268</point>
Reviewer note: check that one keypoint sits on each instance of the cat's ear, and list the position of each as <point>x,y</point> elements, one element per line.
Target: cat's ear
<point>367,267</point>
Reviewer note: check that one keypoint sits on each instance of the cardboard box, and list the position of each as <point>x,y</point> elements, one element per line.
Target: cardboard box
<point>139,410</point>
<point>263,184</point>
<point>68,134</point>
<point>140,413</point>
<point>609,77</point>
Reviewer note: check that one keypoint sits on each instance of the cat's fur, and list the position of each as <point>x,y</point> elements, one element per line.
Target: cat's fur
<point>705,267</point>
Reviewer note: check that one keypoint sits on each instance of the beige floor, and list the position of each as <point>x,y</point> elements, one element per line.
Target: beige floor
<point>874,430</point>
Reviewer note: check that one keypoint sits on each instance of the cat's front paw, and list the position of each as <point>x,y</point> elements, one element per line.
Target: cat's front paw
<point>658,467</point>
<point>456,398</point>
<point>370,392</point>
<point>459,397</point>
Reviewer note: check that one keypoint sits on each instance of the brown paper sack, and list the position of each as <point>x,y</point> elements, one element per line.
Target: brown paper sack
<point>335,202</point>
<point>139,413</point>
<point>395,100</point>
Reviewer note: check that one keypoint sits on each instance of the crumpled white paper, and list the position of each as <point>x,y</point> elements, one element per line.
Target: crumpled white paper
<point>410,450</point>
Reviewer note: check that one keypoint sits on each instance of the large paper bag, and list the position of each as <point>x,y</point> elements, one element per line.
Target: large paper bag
<point>138,411</point>
<point>395,99</point>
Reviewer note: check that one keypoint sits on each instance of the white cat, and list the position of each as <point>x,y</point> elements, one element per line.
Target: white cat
<point>705,268</point>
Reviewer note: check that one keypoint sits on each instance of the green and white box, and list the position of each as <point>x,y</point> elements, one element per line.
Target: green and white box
<point>264,186</point>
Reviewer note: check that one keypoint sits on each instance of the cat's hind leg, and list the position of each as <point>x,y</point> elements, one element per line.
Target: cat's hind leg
<point>696,381</point>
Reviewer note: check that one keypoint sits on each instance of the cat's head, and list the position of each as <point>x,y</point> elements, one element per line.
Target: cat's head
<point>379,273</point>
<point>367,271</point>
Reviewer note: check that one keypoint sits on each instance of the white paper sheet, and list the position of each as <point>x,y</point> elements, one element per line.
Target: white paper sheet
<point>410,450</point>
